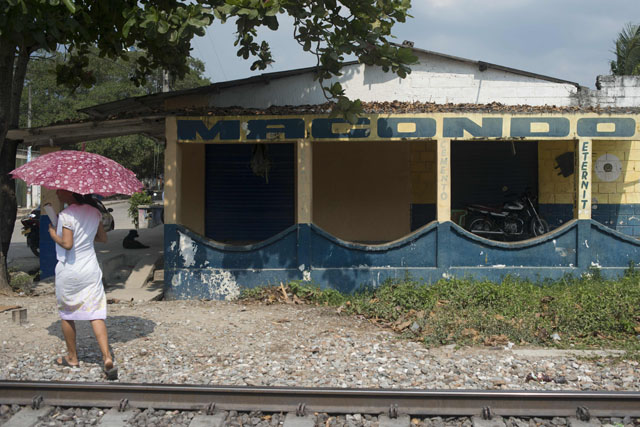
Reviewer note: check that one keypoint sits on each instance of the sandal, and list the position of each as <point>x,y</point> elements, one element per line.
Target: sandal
<point>62,361</point>
<point>111,373</point>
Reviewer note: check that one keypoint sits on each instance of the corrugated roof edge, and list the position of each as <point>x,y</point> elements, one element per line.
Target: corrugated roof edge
<point>486,65</point>
<point>151,102</point>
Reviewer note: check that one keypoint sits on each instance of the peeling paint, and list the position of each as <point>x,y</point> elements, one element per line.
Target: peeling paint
<point>221,284</point>
<point>301,267</point>
<point>586,244</point>
<point>188,250</point>
<point>306,276</point>
<point>172,246</point>
<point>498,265</point>
<point>562,252</point>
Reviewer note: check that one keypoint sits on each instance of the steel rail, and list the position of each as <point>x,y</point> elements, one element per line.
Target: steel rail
<point>328,400</point>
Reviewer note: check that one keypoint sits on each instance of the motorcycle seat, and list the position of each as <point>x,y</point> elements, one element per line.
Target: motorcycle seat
<point>487,208</point>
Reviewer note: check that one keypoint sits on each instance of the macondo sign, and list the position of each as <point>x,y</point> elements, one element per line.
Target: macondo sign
<point>401,127</point>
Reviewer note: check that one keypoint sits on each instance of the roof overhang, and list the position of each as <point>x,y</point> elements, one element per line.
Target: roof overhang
<point>73,133</point>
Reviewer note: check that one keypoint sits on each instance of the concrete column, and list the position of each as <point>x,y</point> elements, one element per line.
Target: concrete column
<point>443,187</point>
<point>172,176</point>
<point>583,201</point>
<point>583,181</point>
<point>304,204</point>
<point>304,180</point>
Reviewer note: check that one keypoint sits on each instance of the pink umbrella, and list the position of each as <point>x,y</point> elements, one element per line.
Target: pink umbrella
<point>80,172</point>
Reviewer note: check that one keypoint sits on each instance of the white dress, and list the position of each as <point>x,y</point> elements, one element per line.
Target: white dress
<point>79,290</point>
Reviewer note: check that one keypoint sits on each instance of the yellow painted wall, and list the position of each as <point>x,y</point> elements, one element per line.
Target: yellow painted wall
<point>193,179</point>
<point>184,178</point>
<point>362,190</point>
<point>552,187</point>
<point>423,172</point>
<point>626,188</point>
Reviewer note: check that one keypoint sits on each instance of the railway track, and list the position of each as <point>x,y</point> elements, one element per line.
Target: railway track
<point>302,403</point>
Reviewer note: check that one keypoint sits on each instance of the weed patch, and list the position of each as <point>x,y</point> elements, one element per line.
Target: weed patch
<point>588,312</point>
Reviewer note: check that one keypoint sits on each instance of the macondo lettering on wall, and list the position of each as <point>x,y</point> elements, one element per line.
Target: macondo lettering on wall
<point>405,127</point>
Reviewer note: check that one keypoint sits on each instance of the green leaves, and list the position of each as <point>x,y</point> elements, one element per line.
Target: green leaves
<point>627,50</point>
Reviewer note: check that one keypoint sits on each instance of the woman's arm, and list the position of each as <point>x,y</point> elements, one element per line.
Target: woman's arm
<point>66,241</point>
<point>101,235</point>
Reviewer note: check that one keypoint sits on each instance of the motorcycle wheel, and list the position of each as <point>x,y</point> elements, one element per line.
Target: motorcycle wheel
<point>479,224</point>
<point>538,227</point>
<point>34,245</point>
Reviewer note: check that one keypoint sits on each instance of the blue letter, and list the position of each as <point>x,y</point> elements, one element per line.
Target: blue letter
<point>454,128</point>
<point>322,128</point>
<point>226,129</point>
<point>521,127</point>
<point>388,128</point>
<point>292,128</point>
<point>623,127</point>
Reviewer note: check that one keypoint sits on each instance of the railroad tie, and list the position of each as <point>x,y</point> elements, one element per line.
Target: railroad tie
<point>400,421</point>
<point>574,422</point>
<point>493,422</point>
<point>28,417</point>
<point>215,420</point>
<point>114,418</point>
<point>293,420</point>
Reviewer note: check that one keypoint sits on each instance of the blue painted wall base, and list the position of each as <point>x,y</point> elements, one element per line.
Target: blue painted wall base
<point>199,268</point>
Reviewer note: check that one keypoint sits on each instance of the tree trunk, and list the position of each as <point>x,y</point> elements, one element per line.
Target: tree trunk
<point>12,74</point>
<point>8,209</point>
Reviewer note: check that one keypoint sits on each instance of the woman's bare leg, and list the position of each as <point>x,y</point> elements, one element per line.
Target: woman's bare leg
<point>69,332</point>
<point>100,331</point>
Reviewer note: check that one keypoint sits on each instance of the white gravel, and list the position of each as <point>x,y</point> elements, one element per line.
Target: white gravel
<point>226,343</point>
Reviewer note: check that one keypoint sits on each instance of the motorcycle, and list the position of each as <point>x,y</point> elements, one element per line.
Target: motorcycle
<point>31,230</point>
<point>514,220</point>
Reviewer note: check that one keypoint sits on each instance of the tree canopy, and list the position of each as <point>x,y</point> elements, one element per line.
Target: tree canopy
<point>627,51</point>
<point>163,29</point>
<point>52,103</point>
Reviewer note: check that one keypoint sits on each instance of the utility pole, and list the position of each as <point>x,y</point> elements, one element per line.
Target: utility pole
<point>165,81</point>
<point>29,193</point>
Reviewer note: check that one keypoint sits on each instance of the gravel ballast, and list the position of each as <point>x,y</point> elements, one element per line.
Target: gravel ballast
<point>235,343</point>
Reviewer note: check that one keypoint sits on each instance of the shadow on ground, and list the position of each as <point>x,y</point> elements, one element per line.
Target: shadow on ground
<point>121,329</point>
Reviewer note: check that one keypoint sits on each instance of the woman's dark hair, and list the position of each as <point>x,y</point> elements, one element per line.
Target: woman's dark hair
<point>82,199</point>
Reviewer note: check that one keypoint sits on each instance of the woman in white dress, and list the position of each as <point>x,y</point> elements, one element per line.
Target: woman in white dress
<point>79,290</point>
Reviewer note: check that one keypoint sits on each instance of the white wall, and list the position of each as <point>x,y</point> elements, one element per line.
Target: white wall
<point>436,79</point>
<point>615,91</point>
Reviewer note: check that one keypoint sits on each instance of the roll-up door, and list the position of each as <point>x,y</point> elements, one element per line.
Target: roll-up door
<point>241,206</point>
<point>492,172</point>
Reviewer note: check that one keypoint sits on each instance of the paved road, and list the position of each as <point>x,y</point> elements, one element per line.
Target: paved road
<point>21,257</point>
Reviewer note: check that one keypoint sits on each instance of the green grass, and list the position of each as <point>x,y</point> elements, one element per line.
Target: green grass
<point>587,312</point>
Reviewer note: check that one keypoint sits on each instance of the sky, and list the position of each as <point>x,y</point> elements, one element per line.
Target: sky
<point>566,39</point>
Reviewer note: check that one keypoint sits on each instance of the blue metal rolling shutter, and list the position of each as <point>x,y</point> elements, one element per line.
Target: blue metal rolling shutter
<point>240,206</point>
